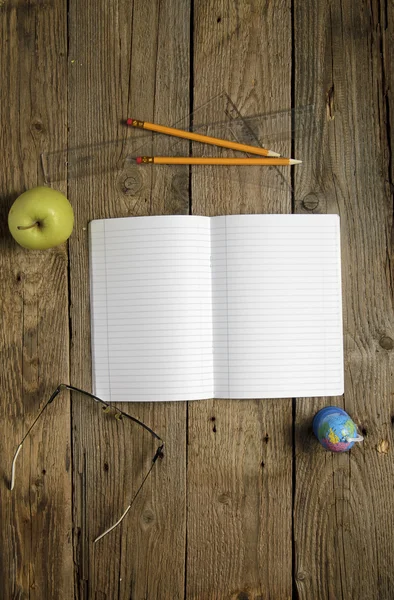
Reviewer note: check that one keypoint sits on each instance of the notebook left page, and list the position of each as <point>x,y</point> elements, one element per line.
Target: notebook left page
<point>151,314</point>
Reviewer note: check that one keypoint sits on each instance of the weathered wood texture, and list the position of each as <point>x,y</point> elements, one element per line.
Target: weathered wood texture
<point>235,509</point>
<point>344,525</point>
<point>124,62</point>
<point>239,453</point>
<point>36,527</point>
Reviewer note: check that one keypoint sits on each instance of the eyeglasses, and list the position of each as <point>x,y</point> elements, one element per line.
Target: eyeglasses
<point>119,416</point>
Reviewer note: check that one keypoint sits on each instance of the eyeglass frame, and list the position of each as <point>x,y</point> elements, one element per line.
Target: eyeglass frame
<point>106,407</point>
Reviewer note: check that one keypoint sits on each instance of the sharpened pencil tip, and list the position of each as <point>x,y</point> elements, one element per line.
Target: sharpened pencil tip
<point>293,161</point>
<point>273,154</point>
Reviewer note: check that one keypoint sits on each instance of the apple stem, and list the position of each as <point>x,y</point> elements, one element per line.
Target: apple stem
<point>28,226</point>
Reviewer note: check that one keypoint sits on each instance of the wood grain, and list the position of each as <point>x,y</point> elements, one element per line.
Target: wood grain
<point>125,64</point>
<point>35,537</point>
<point>234,509</point>
<point>239,452</point>
<point>343,525</point>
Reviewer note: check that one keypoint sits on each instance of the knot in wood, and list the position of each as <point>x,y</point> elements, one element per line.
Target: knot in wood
<point>224,498</point>
<point>310,202</point>
<point>386,342</point>
<point>148,516</point>
<point>132,182</point>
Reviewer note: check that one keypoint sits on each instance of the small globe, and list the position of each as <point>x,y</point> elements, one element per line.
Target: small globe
<point>335,430</point>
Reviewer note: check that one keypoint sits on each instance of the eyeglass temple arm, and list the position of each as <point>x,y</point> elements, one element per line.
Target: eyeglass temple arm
<point>159,454</point>
<point>19,448</point>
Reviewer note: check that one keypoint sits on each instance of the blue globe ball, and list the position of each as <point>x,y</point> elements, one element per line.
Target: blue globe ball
<point>335,430</point>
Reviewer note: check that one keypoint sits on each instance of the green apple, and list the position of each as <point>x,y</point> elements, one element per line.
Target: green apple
<point>41,218</point>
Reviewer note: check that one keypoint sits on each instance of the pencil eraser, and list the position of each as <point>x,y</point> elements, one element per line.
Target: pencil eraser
<point>138,160</point>
<point>129,121</point>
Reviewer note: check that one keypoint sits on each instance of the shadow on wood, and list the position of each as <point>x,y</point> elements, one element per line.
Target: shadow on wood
<point>25,7</point>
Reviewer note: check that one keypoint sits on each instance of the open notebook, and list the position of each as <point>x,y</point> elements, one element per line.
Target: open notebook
<point>243,306</point>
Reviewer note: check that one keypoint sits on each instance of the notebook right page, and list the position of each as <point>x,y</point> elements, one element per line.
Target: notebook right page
<point>277,308</point>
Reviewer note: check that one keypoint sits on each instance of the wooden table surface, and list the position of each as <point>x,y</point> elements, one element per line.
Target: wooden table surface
<point>245,504</point>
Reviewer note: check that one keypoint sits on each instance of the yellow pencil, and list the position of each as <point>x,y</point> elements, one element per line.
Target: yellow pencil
<point>188,160</point>
<point>197,137</point>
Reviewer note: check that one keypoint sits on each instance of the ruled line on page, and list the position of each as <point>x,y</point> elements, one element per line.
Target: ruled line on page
<point>147,268</point>
<point>246,252</point>
<point>267,313</point>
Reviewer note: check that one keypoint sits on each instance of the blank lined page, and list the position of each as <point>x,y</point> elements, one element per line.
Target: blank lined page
<point>151,308</point>
<point>277,308</point>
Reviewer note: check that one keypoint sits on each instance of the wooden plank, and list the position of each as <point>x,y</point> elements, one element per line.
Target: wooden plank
<point>123,63</point>
<point>35,537</point>
<point>239,452</point>
<point>343,524</point>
